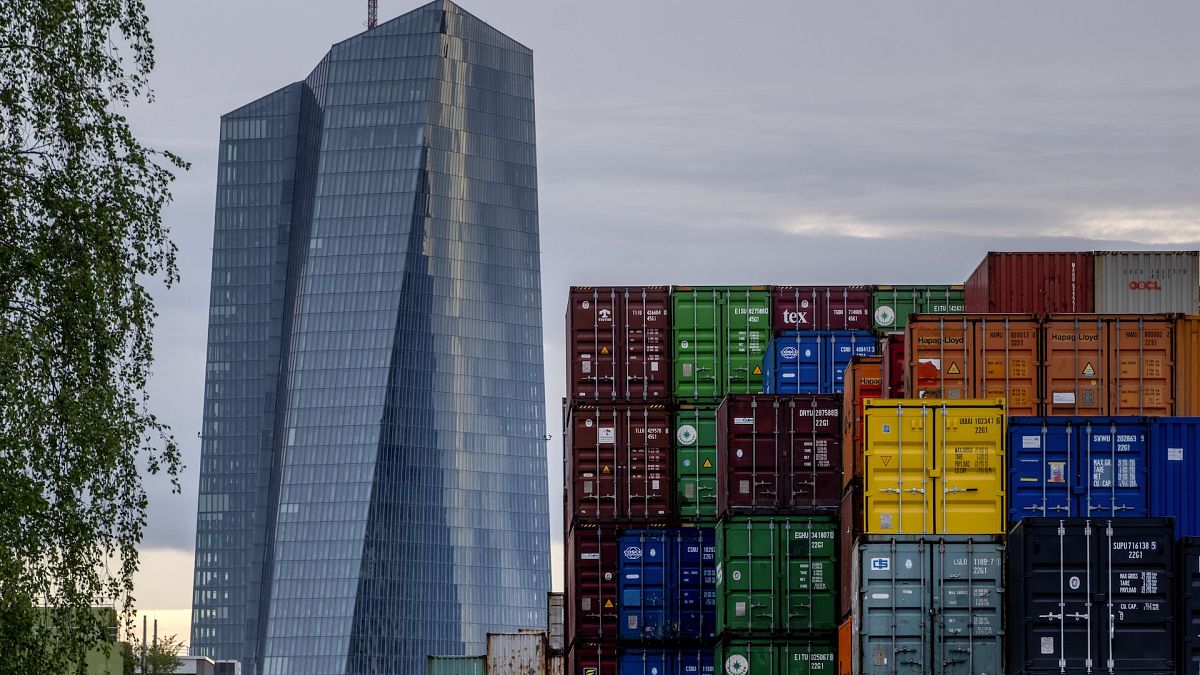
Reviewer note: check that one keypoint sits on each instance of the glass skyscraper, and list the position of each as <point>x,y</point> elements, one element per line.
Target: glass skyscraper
<point>373,468</point>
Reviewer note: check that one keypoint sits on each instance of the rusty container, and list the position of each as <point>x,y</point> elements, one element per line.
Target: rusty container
<point>521,653</point>
<point>1108,364</point>
<point>556,617</point>
<point>618,343</point>
<point>779,454</point>
<point>1187,366</point>
<point>821,307</point>
<point>619,464</point>
<point>976,356</point>
<point>592,570</point>
<point>864,379</point>
<point>1032,283</point>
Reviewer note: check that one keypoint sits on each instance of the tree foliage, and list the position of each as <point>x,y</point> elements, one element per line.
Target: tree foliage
<point>81,232</point>
<point>161,655</point>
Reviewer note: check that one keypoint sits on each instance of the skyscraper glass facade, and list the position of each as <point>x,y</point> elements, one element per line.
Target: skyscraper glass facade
<point>373,468</point>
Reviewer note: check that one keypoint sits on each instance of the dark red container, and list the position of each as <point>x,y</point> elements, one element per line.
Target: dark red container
<point>779,454</point>
<point>850,522</point>
<point>821,308</point>
<point>619,464</point>
<point>618,343</point>
<point>893,365</point>
<point>592,659</point>
<point>1037,283</point>
<point>592,602</point>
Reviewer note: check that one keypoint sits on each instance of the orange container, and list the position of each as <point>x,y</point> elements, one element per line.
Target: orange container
<point>1109,364</point>
<point>864,379</point>
<point>846,647</point>
<point>1187,366</point>
<point>975,356</point>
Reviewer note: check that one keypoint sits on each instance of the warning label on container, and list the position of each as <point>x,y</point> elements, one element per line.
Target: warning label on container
<point>757,370</point>
<point>953,369</point>
<point>1088,370</point>
<point>1174,454</point>
<point>707,464</point>
<point>604,351</point>
<point>605,470</point>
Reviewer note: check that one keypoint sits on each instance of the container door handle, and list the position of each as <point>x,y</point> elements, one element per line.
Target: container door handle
<point>956,490</point>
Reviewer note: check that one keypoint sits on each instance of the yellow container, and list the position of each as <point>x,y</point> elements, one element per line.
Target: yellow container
<point>934,466</point>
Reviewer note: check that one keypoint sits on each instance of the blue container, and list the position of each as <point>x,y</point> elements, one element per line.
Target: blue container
<point>648,662</point>
<point>695,605</point>
<point>694,662</point>
<point>813,362</point>
<point>1078,466</point>
<point>646,572</point>
<point>1175,472</point>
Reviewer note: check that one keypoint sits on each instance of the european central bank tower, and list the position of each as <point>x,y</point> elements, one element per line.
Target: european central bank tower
<point>373,466</point>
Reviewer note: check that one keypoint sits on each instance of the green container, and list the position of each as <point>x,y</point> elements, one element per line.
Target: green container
<point>756,656</point>
<point>455,665</point>
<point>776,574</point>
<point>696,461</point>
<point>893,304</point>
<point>721,335</point>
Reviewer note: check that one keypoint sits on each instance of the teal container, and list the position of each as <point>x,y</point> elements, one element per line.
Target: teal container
<point>455,665</point>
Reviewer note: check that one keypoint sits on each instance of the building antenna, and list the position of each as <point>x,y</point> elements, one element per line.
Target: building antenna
<point>372,13</point>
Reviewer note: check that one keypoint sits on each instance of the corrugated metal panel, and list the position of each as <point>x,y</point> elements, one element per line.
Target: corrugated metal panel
<point>1037,283</point>
<point>864,379</point>
<point>646,585</point>
<point>1189,615</point>
<point>556,618</point>
<point>592,568</point>
<point>556,664</point>
<point>893,304</point>
<point>619,463</point>
<point>696,461</point>
<point>847,643</point>
<point>1147,282</point>
<point>1187,366</point>
<point>1078,466</point>
<point>1092,595</point>
<point>821,307</point>
<point>930,604</point>
<point>618,343</point>
<point>1175,472</point>
<point>456,665</point>
<point>793,656</point>
<point>720,337</point>
<point>521,653</point>
<point>934,466</point>
<point>592,658</point>
<point>813,362</point>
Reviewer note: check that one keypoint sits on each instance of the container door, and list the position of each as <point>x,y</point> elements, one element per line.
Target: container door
<point>897,495</point>
<point>1140,604</point>
<point>843,346</point>
<point>1007,364</point>
<point>593,659</point>
<point>810,453</point>
<point>795,308</point>
<point>747,321</point>
<point>746,576</point>
<point>646,440</point>
<point>593,463</point>
<point>893,304</point>
<point>647,662</point>
<point>1042,469</point>
<point>593,568</point>
<point>647,344</point>
<point>967,599</point>
<point>807,657</point>
<point>694,662</point>
<point>847,308</point>
<point>797,363</point>
<point>689,572</point>
<point>894,611</point>
<point>696,462</point>
<point>1060,578</point>
<point>696,323</point>
<point>748,461</point>
<point>969,470</point>
<point>746,657</point>
<point>1189,616</point>
<point>1141,367</point>
<point>809,578</point>
<point>645,585</point>
<point>1075,366</point>
<point>593,341</point>
<point>1113,471</point>
<point>941,357</point>
<point>942,300</point>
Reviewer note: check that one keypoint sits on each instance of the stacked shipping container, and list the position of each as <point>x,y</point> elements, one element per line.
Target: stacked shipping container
<point>711,422</point>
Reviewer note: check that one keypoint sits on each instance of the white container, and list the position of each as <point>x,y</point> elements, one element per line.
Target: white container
<point>1147,282</point>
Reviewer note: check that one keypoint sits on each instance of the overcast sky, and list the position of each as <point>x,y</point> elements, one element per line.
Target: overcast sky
<point>731,142</point>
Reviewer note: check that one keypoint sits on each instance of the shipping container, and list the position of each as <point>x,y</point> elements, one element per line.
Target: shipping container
<point>667,662</point>
<point>1147,282</point>
<point>1032,283</point>
<point>850,520</point>
<point>892,348</point>
<point>1189,605</point>
<point>864,380</point>
<point>776,575</point>
<point>696,461</point>
<point>1105,364</point>
<point>618,343</point>
<point>1175,472</point>
<point>929,605</point>
<point>522,653</point>
<point>1091,595</point>
<point>893,304</point>
<point>720,337</point>
<point>1187,366</point>
<point>1089,467</point>
<point>934,466</point>
<point>847,643</point>
<point>593,565</point>
<point>779,454</point>
<point>592,658</point>
<point>619,463</point>
<point>556,663</point>
<point>694,661</point>
<point>975,356</point>
<point>455,665</point>
<point>794,656</point>
<point>813,362</point>
<point>821,307</point>
<point>667,585</point>
<point>556,622</point>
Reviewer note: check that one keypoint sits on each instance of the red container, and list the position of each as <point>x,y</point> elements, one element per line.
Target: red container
<point>592,659</point>
<point>850,522</point>
<point>821,308</point>
<point>893,365</point>
<point>1037,283</point>
<point>592,602</point>
<point>618,343</point>
<point>779,454</point>
<point>619,464</point>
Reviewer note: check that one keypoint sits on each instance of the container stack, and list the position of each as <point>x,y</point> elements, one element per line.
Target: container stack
<point>996,478</point>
